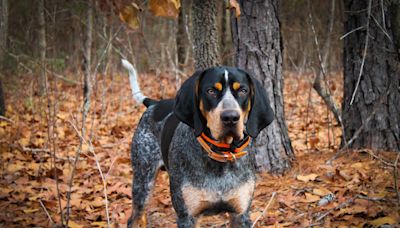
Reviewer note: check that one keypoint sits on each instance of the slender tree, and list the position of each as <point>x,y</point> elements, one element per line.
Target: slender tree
<point>42,46</point>
<point>371,103</point>
<point>257,39</point>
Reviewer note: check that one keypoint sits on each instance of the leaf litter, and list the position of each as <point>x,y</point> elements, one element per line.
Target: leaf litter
<point>356,190</point>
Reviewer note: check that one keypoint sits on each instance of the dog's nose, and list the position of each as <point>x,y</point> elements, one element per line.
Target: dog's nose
<point>230,117</point>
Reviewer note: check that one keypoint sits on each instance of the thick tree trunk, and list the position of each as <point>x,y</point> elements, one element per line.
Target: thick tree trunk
<point>42,47</point>
<point>372,100</point>
<point>205,37</point>
<point>395,21</point>
<point>257,39</point>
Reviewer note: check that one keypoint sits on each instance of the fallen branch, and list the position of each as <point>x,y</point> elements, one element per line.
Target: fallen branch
<point>324,91</point>
<point>342,205</point>
<point>265,209</point>
<point>35,150</point>
<point>47,213</point>
<point>6,119</point>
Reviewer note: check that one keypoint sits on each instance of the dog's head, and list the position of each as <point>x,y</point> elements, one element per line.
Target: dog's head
<point>225,102</point>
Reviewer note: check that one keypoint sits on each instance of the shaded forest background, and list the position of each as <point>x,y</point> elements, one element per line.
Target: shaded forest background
<point>153,46</point>
<point>50,133</point>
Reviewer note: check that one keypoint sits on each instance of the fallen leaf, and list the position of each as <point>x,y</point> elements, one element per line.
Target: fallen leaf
<point>233,4</point>
<point>307,178</point>
<point>165,8</point>
<point>130,15</point>
<point>382,221</point>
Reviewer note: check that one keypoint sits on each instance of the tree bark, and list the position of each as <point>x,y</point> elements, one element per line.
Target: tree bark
<point>257,39</point>
<point>395,21</point>
<point>181,39</point>
<point>371,99</point>
<point>205,37</point>
<point>87,55</point>
<point>3,32</point>
<point>3,49</point>
<point>42,47</point>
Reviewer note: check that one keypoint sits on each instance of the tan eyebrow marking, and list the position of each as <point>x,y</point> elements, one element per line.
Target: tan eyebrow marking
<point>236,85</point>
<point>218,86</point>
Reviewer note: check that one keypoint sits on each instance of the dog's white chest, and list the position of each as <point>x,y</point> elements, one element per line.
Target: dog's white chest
<point>199,200</point>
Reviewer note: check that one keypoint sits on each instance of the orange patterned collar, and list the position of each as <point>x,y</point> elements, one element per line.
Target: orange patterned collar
<point>223,152</point>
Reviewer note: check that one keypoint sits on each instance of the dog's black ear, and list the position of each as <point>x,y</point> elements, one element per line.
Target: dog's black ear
<point>261,113</point>
<point>187,105</point>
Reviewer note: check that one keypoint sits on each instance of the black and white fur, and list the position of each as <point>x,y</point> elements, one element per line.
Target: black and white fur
<point>198,185</point>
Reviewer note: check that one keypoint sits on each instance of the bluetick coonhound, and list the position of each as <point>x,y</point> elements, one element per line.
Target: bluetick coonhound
<point>200,138</point>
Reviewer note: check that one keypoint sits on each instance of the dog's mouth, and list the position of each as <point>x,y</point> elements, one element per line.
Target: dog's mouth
<point>230,134</point>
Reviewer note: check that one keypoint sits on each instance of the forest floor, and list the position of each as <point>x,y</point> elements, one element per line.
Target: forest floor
<point>357,189</point>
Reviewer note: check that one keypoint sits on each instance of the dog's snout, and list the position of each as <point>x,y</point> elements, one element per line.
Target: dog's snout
<point>230,117</point>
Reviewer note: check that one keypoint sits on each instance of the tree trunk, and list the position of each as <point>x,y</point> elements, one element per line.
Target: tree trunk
<point>371,101</point>
<point>225,37</point>
<point>42,47</point>
<point>257,39</point>
<point>395,21</point>
<point>3,32</point>
<point>205,37</point>
<point>3,49</point>
<point>181,39</point>
<point>87,56</point>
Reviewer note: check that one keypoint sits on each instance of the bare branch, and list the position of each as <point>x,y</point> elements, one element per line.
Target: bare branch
<point>364,53</point>
<point>265,209</point>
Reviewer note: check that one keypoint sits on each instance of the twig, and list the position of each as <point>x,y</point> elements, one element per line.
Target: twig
<point>350,32</point>
<point>377,157</point>
<point>342,205</point>
<point>45,211</point>
<point>35,150</point>
<point>86,102</point>
<point>364,53</point>
<point>6,119</point>
<point>91,150</point>
<point>325,93</point>
<point>265,209</point>
<point>355,136</point>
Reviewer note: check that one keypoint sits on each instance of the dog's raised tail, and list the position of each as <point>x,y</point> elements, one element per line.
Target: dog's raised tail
<point>136,92</point>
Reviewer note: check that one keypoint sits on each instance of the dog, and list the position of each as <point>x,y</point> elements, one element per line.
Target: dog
<point>200,138</point>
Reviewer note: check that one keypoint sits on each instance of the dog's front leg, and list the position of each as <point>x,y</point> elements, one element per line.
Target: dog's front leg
<point>186,221</point>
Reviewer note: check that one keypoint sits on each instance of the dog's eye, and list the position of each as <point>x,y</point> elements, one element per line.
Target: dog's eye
<point>242,91</point>
<point>211,91</point>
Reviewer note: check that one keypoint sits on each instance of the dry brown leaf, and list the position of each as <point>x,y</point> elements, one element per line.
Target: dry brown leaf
<point>311,198</point>
<point>165,8</point>
<point>383,220</point>
<point>307,178</point>
<point>130,15</point>
<point>235,5</point>
<point>321,191</point>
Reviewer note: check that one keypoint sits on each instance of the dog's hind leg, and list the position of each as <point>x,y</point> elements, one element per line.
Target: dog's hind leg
<point>141,189</point>
<point>146,161</point>
<point>240,221</point>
